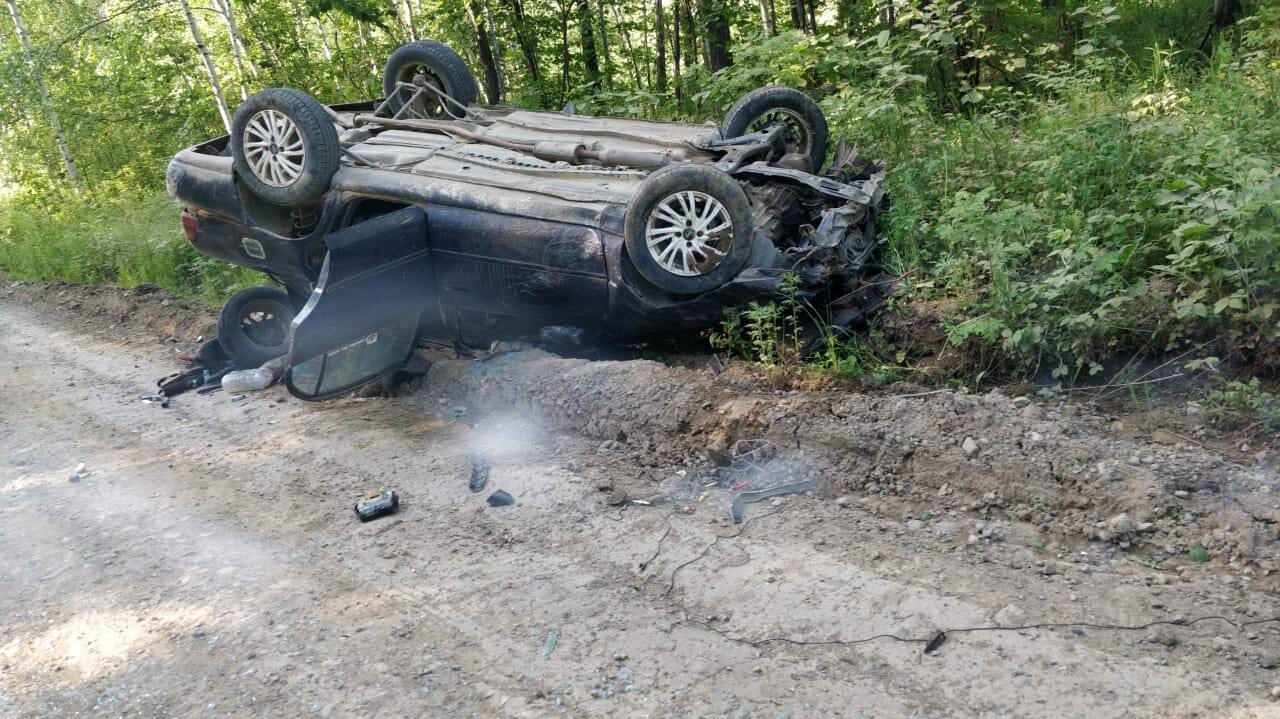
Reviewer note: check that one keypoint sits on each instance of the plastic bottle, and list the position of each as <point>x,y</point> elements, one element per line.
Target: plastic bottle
<point>248,379</point>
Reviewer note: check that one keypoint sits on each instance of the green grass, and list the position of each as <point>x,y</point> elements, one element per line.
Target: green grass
<point>122,239</point>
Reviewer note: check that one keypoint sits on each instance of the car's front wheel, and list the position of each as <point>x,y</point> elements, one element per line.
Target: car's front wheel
<point>688,230</point>
<point>806,126</point>
<point>430,66</point>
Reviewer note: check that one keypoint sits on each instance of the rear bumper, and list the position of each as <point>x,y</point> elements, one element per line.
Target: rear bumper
<point>205,185</point>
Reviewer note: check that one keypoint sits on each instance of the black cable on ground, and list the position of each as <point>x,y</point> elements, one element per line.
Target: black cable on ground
<point>658,550</point>
<point>935,640</point>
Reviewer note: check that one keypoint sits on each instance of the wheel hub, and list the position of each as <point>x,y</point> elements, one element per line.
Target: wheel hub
<point>688,233</point>
<point>274,148</point>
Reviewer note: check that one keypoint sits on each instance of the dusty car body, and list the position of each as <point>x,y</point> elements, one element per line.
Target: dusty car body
<point>510,223</point>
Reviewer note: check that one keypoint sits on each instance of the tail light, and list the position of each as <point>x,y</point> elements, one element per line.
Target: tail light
<point>189,226</point>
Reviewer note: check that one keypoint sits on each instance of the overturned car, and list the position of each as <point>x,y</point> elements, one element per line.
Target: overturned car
<point>426,216</point>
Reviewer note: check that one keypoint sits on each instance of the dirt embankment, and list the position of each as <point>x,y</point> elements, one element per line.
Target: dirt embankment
<point>1054,467</point>
<point>1048,469</point>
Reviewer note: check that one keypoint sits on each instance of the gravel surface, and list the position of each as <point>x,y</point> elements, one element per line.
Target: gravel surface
<point>204,560</point>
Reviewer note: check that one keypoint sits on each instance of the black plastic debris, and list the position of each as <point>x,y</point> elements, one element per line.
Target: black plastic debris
<point>377,504</point>
<point>479,472</point>
<point>936,642</point>
<point>500,499</point>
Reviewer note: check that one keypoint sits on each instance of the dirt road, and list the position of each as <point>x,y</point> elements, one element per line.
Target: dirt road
<point>207,564</point>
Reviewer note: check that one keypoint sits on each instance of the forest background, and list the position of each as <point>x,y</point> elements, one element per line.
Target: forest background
<point>1075,184</point>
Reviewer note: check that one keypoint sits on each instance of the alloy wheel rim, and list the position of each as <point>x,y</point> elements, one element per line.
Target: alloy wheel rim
<point>274,148</point>
<point>688,233</point>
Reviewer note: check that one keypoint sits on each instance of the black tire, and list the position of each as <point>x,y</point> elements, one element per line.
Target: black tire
<point>657,207</point>
<point>319,147</point>
<point>255,325</point>
<point>436,59</point>
<point>759,107</point>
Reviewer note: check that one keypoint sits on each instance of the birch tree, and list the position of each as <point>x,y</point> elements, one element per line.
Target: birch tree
<point>244,65</point>
<point>50,110</point>
<point>203,49</point>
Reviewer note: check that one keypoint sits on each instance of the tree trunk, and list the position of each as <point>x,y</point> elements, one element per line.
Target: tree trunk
<point>564,50</point>
<point>715,33</point>
<point>631,51</point>
<point>45,98</point>
<point>813,21</point>
<point>364,47</point>
<point>660,44</point>
<point>675,51</point>
<point>208,65</point>
<point>798,19</point>
<point>767,22</point>
<point>528,47</point>
<point>607,68</point>
<point>244,64</point>
<point>887,16</point>
<point>690,39</point>
<point>587,36</point>
<point>495,33</point>
<point>408,17</point>
<point>324,41</point>
<point>493,88</point>
<point>1224,14</point>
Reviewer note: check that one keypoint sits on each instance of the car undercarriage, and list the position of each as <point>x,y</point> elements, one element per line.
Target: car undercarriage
<point>425,215</point>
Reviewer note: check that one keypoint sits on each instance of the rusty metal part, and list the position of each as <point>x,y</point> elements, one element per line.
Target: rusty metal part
<point>552,151</point>
<point>448,127</point>
<point>744,498</point>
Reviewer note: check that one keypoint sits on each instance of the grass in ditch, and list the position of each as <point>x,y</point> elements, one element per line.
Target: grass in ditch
<point>122,239</point>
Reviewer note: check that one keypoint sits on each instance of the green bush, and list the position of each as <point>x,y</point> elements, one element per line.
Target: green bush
<point>1097,207</point>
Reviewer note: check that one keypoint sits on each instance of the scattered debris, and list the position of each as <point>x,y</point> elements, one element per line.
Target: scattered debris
<point>377,504</point>
<point>1198,553</point>
<point>248,379</point>
<point>500,498</point>
<point>159,399</point>
<point>553,638</point>
<point>744,498</point>
<point>564,336</point>
<point>479,472</point>
<point>459,412</point>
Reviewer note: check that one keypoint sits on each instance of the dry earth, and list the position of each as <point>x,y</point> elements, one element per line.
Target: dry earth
<point>207,563</point>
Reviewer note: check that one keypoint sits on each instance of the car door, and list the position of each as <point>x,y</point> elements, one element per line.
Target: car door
<point>547,272</point>
<point>363,317</point>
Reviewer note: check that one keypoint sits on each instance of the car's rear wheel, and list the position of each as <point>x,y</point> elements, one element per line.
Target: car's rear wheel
<point>428,64</point>
<point>688,229</point>
<point>806,126</point>
<point>284,146</point>
<point>255,325</point>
